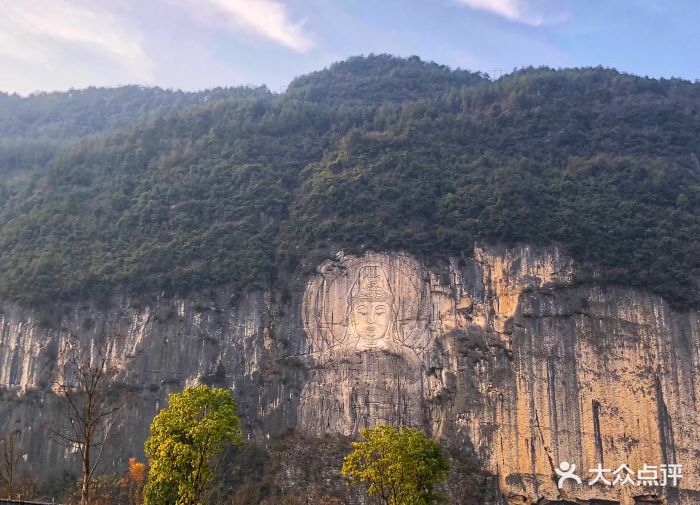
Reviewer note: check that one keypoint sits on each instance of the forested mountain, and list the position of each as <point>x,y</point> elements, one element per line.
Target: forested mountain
<point>34,128</point>
<point>379,80</point>
<point>89,111</point>
<point>376,153</point>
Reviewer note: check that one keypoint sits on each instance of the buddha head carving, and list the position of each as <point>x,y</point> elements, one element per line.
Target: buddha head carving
<point>370,308</point>
<point>376,303</point>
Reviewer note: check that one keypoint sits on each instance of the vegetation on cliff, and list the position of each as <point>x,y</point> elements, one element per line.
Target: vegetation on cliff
<point>372,153</point>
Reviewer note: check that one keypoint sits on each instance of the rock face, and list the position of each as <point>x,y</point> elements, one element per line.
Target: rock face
<point>499,354</point>
<point>369,322</point>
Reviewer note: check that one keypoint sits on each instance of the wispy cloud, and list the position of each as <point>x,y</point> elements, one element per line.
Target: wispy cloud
<point>266,18</point>
<point>36,31</point>
<point>514,10</point>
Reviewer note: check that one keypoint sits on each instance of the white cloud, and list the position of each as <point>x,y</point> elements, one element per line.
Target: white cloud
<point>514,10</point>
<point>266,18</point>
<point>43,32</point>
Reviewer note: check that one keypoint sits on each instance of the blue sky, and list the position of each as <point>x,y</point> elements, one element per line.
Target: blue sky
<point>196,44</point>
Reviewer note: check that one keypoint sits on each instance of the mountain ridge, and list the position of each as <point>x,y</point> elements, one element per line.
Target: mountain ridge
<point>238,189</point>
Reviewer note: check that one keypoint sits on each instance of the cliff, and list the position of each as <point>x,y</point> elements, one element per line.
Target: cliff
<point>499,354</point>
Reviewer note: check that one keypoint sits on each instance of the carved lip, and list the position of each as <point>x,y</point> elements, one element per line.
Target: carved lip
<point>370,334</point>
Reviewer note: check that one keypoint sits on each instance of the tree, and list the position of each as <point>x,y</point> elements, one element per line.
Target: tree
<point>10,463</point>
<point>115,489</point>
<point>185,438</point>
<point>105,489</point>
<point>399,466</point>
<point>133,482</point>
<point>90,416</point>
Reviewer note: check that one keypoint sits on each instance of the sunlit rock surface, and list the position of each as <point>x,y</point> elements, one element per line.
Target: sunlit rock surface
<point>499,353</point>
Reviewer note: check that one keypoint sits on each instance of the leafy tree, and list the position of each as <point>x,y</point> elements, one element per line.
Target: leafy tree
<point>400,466</point>
<point>185,438</point>
<point>133,482</point>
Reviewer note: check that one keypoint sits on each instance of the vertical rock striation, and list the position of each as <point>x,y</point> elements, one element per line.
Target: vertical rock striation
<point>500,354</point>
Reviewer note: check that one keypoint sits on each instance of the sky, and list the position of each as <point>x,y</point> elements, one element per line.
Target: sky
<point>48,45</point>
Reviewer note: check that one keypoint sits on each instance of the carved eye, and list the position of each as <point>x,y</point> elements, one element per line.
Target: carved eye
<point>380,310</point>
<point>362,310</point>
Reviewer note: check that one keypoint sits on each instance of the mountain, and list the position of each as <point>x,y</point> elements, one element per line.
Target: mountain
<point>34,128</point>
<point>83,112</point>
<point>374,153</point>
<point>380,80</point>
<point>535,239</point>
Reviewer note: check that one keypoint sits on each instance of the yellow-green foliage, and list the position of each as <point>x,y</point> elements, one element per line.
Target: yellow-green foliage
<point>185,436</point>
<point>399,466</point>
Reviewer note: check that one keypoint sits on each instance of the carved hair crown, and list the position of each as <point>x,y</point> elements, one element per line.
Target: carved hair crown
<point>371,286</point>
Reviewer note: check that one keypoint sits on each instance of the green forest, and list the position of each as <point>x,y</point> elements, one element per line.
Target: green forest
<point>142,190</point>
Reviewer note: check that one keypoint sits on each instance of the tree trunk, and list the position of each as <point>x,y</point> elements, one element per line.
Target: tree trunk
<point>85,494</point>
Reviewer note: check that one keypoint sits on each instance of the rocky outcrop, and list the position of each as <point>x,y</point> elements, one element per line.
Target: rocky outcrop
<point>584,375</point>
<point>500,354</point>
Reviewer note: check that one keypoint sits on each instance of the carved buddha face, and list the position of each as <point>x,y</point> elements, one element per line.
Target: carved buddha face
<point>370,307</point>
<point>371,320</point>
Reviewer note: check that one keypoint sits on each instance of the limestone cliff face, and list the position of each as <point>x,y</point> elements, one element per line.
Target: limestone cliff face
<point>590,376</point>
<point>499,354</point>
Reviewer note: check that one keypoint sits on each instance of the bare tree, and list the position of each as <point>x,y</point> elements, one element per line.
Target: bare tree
<point>87,375</point>
<point>16,479</point>
<point>10,463</point>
